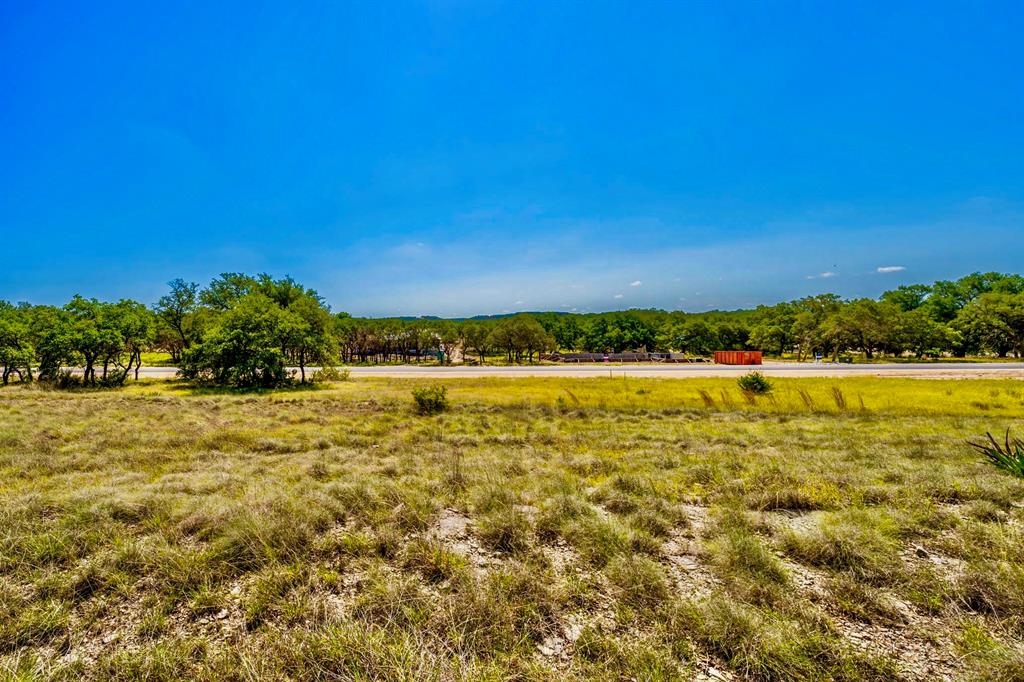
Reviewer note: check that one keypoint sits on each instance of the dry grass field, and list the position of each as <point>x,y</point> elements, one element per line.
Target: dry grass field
<point>538,529</point>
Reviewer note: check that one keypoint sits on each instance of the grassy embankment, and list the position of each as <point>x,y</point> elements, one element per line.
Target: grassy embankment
<point>540,529</point>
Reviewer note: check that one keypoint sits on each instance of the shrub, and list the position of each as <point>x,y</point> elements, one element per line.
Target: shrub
<point>65,379</point>
<point>328,374</point>
<point>430,400</point>
<point>250,341</point>
<point>243,349</point>
<point>1008,456</point>
<point>755,382</point>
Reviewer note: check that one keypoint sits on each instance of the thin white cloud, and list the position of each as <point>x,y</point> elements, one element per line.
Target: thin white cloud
<point>635,283</point>
<point>826,275</point>
<point>891,268</point>
<point>617,296</point>
<point>468,277</point>
<point>411,250</point>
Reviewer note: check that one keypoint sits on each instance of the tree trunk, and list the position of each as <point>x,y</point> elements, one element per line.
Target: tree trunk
<point>181,333</point>
<point>89,378</point>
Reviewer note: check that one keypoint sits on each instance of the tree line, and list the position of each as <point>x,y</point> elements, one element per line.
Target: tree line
<point>247,330</point>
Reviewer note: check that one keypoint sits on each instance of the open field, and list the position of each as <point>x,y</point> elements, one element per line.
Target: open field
<point>542,528</point>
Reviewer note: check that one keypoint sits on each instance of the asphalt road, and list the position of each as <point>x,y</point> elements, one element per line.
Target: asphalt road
<point>946,370</point>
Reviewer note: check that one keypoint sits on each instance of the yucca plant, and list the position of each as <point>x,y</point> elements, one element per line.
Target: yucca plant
<point>1008,456</point>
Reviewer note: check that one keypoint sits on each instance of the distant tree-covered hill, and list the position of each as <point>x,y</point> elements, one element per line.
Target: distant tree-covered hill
<point>245,330</point>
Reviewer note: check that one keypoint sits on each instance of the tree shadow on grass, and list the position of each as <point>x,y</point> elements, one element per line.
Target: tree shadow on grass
<point>181,386</point>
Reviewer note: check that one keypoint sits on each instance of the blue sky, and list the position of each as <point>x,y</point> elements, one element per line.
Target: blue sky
<point>458,158</point>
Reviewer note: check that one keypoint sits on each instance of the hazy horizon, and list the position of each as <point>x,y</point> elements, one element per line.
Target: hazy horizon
<point>583,311</point>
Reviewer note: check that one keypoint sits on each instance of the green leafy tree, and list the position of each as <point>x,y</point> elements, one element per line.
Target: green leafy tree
<point>773,330</point>
<point>732,334</point>
<point>308,334</point>
<point>256,326</point>
<point>90,334</point>
<point>448,338</point>
<point>111,336</point>
<point>478,341</point>
<point>915,331</point>
<point>698,338</point>
<point>907,297</point>
<point>811,329</point>
<point>244,348</point>
<point>867,325</point>
<point>807,334</point>
<point>135,326</point>
<point>521,337</point>
<point>50,334</point>
<point>568,333</point>
<point>226,289</point>
<point>176,311</point>
<point>16,351</point>
<point>995,321</point>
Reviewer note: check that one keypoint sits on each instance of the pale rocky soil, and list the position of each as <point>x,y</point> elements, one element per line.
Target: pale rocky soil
<point>920,643</point>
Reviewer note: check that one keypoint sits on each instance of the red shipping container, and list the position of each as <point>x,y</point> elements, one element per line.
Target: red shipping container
<point>738,357</point>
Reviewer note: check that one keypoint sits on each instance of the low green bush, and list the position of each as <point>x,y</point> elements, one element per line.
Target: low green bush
<point>755,382</point>
<point>431,399</point>
<point>328,374</point>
